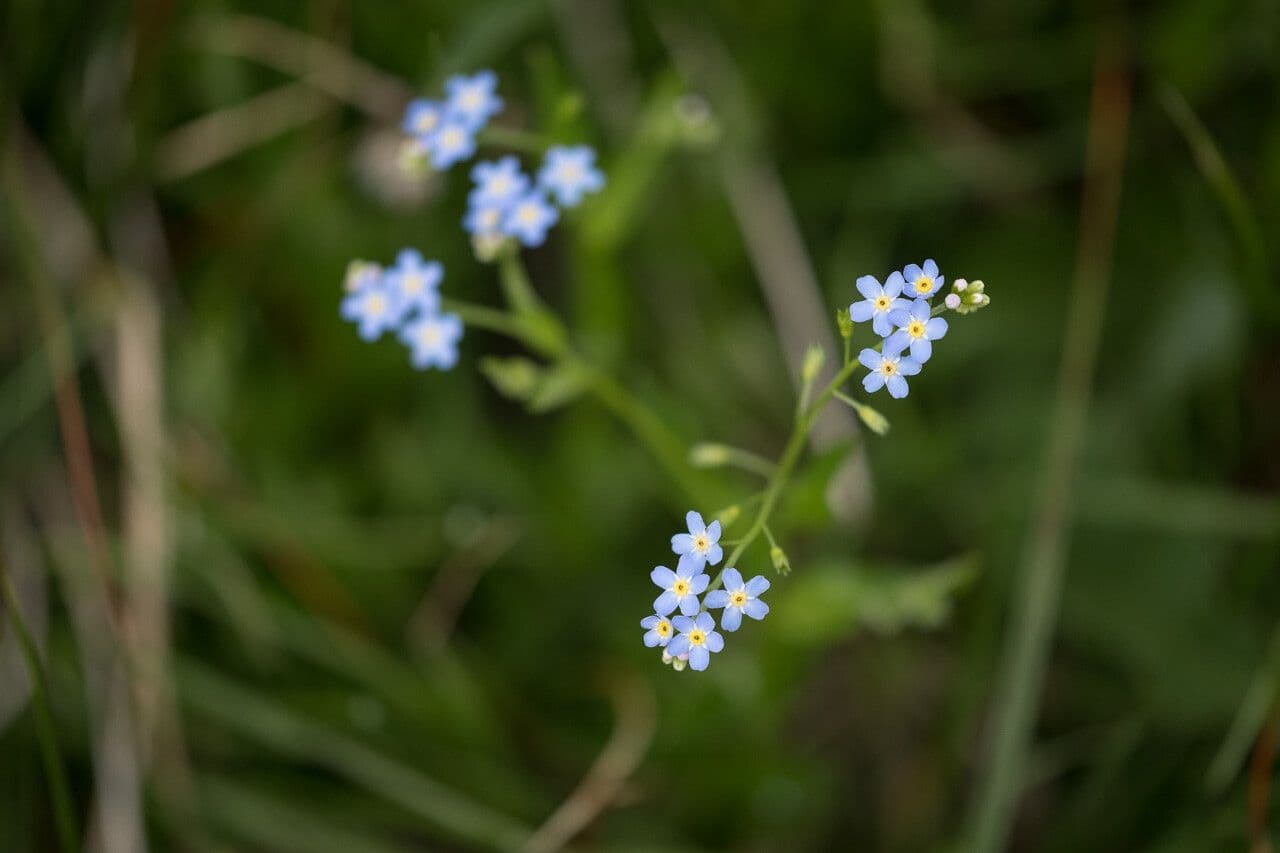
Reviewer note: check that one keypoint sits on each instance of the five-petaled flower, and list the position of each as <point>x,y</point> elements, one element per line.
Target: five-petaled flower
<point>433,340</point>
<point>698,638</point>
<point>414,283</point>
<point>680,588</point>
<point>422,118</point>
<point>658,631</point>
<point>373,308</point>
<point>473,100</point>
<point>880,300</point>
<point>738,597</point>
<point>890,369</point>
<point>453,142</point>
<point>701,545</point>
<point>568,173</point>
<point>529,219</point>
<point>922,282</point>
<point>498,182</point>
<point>916,330</point>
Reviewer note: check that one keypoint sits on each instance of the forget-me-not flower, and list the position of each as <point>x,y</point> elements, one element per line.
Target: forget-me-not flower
<point>422,118</point>
<point>701,545</point>
<point>915,330</point>
<point>698,638</point>
<point>433,340</point>
<point>529,218</point>
<point>473,99</point>
<point>484,219</point>
<point>922,282</point>
<point>452,143</point>
<point>415,283</point>
<point>373,308</point>
<point>658,631</point>
<point>498,182</point>
<point>680,588</point>
<point>739,597</point>
<point>880,300</point>
<point>568,173</point>
<point>889,368</point>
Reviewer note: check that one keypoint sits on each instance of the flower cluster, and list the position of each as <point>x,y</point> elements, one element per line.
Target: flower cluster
<point>404,299</point>
<point>506,202</point>
<point>444,132</point>
<point>691,638</point>
<point>900,313</point>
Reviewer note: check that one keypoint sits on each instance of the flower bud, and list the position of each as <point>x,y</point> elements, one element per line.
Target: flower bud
<point>487,246</point>
<point>844,323</point>
<point>728,515</point>
<point>952,301</point>
<point>678,664</point>
<point>813,358</point>
<point>959,285</point>
<point>973,297</point>
<point>780,562</point>
<point>708,455</point>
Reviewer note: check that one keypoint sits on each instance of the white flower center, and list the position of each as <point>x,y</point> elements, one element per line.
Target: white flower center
<point>413,284</point>
<point>376,305</point>
<point>528,214</point>
<point>888,368</point>
<point>571,172</point>
<point>501,184</point>
<point>472,99</point>
<point>701,543</point>
<point>738,598</point>
<point>452,138</point>
<point>430,336</point>
<point>427,121</point>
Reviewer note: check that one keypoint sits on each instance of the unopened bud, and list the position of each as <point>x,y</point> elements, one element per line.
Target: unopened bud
<point>875,421</point>
<point>728,515</point>
<point>973,298</point>
<point>780,562</point>
<point>844,323</point>
<point>680,663</point>
<point>952,301</point>
<point>708,455</point>
<point>959,285</point>
<point>813,358</point>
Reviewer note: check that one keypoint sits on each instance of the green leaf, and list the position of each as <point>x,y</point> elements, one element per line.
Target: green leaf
<point>516,378</point>
<point>560,384</point>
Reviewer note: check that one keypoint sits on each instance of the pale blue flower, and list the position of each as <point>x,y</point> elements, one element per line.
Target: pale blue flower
<point>698,638</point>
<point>423,118</point>
<point>498,182</point>
<point>916,329</point>
<point>658,631</point>
<point>373,308</point>
<point>568,173</point>
<point>415,283</point>
<point>739,597</point>
<point>880,300</point>
<point>484,219</point>
<point>529,218</point>
<point>433,340</point>
<point>888,369</point>
<point>922,282</point>
<point>680,588</point>
<point>452,143</point>
<point>473,100</point>
<point>701,545</point>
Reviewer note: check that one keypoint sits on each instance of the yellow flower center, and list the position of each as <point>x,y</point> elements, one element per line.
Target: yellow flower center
<point>915,329</point>
<point>700,543</point>
<point>696,637</point>
<point>924,284</point>
<point>570,172</point>
<point>376,305</point>
<point>426,122</point>
<point>882,303</point>
<point>472,99</point>
<point>888,368</point>
<point>738,598</point>
<point>452,138</point>
<point>430,336</point>
<point>413,284</point>
<point>663,628</point>
<point>680,587</point>
<point>528,214</point>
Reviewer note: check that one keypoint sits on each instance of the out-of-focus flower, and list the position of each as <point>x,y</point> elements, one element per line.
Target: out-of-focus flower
<point>739,597</point>
<point>422,118</point>
<point>498,182</point>
<point>568,173</point>
<point>698,639</point>
<point>415,283</point>
<point>529,219</point>
<point>916,329</point>
<point>879,301</point>
<point>890,369</point>
<point>433,340</point>
<point>452,143</point>
<point>373,308</point>
<point>473,100</point>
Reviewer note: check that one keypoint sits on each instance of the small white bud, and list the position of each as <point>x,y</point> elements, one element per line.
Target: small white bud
<point>959,285</point>
<point>952,301</point>
<point>679,664</point>
<point>666,658</point>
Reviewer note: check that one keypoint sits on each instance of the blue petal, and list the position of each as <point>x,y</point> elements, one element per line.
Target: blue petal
<point>895,342</point>
<point>911,272</point>
<point>733,579</point>
<point>893,284</point>
<point>699,657</point>
<point>908,367</point>
<point>681,543</point>
<point>662,576</point>
<point>861,312</point>
<point>930,268</point>
<point>689,604</point>
<point>715,642</point>
<point>756,609</point>
<point>869,358</point>
<point>690,564</point>
<point>920,309</point>
<point>713,531</point>
<point>699,584</point>
<point>705,621</point>
<point>868,286</point>
<point>694,520</point>
<point>652,638</point>
<point>683,624</point>
<point>731,619</point>
<point>714,554</point>
<point>665,603</point>
<point>678,646</point>
<point>881,326</point>
<point>873,382</point>
<point>921,349</point>
<point>935,328</point>
<point>650,621</point>
<point>897,387</point>
<point>900,316</point>
<point>715,599</point>
<point>758,585</point>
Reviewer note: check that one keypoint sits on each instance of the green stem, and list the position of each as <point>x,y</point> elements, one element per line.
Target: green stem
<point>516,286</point>
<point>46,732</point>
<point>483,317</point>
<point>508,137</point>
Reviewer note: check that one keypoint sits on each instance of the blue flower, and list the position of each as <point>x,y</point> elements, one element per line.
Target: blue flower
<point>484,219</point>
<point>879,302</point>
<point>361,274</point>
<point>887,369</point>
<point>453,142</point>
<point>529,218</point>
<point>569,173</point>
<point>916,330</point>
<point>372,307</point>
<point>422,118</point>
<point>698,638</point>
<point>415,283</point>
<point>680,588</point>
<point>433,340</point>
<point>738,597</point>
<point>700,545</point>
<point>473,100</point>
<point>498,182</point>
<point>657,630</point>
<point>922,282</point>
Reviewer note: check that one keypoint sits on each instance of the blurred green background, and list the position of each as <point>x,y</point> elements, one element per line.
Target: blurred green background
<point>291,594</point>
